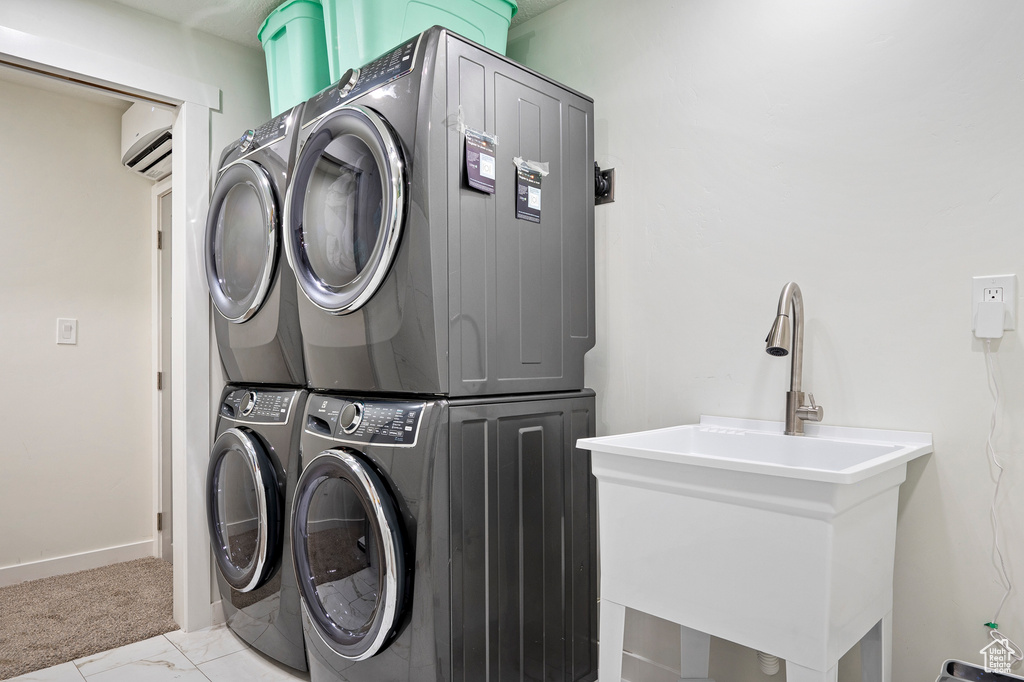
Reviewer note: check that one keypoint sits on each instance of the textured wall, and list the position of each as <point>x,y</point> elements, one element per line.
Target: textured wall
<point>870,151</point>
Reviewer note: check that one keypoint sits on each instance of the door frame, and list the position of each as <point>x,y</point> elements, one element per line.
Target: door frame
<point>190,329</point>
<point>160,279</point>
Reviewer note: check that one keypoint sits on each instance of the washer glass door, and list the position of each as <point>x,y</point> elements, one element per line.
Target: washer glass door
<point>241,240</point>
<point>349,554</point>
<point>344,209</point>
<point>244,510</point>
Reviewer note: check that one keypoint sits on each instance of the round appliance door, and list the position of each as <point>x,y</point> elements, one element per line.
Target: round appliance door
<point>244,510</point>
<point>241,240</point>
<point>344,209</point>
<point>349,554</point>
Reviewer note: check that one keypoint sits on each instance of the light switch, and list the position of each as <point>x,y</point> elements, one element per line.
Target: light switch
<point>67,331</point>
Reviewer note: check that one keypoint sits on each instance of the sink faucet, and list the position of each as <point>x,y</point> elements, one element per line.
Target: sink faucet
<point>779,340</point>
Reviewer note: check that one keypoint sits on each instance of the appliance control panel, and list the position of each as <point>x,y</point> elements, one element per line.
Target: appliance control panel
<point>258,406</point>
<point>267,134</point>
<point>393,423</point>
<point>272,131</point>
<point>384,69</point>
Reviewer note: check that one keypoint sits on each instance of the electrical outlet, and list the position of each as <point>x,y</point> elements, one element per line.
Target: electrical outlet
<point>996,288</point>
<point>993,294</point>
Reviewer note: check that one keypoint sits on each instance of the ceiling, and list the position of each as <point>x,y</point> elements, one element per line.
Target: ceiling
<point>240,20</point>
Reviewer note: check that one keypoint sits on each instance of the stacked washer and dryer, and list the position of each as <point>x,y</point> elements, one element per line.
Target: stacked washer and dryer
<point>441,523</point>
<point>255,457</point>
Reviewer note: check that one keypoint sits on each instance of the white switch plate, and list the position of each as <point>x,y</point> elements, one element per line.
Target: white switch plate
<point>67,331</point>
<point>986,286</point>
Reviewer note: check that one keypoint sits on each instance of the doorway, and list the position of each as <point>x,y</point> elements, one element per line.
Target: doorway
<point>190,336</point>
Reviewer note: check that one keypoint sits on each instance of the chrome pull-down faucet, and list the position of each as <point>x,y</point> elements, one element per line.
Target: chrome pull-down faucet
<point>786,333</point>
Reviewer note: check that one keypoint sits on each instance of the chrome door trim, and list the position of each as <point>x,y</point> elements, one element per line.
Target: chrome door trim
<point>261,505</point>
<point>388,157</point>
<point>391,537</point>
<point>260,181</point>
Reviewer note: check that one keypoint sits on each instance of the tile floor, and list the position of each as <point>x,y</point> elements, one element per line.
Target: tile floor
<point>210,655</point>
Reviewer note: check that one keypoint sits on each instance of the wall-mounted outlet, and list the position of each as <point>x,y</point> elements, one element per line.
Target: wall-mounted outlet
<point>991,289</point>
<point>993,294</point>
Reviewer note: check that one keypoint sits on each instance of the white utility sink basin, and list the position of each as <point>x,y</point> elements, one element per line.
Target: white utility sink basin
<point>781,543</point>
<point>824,453</point>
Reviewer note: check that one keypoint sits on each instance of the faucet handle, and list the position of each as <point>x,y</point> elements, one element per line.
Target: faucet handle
<point>812,412</point>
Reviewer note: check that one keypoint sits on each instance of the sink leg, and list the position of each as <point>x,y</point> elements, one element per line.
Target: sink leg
<point>876,652</point>
<point>695,653</point>
<point>613,624</point>
<point>797,673</point>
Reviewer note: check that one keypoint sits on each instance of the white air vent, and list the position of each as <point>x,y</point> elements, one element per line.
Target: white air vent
<point>146,140</point>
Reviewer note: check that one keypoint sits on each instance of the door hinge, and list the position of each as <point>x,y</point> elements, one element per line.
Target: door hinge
<point>159,520</point>
<point>159,381</point>
<point>159,239</point>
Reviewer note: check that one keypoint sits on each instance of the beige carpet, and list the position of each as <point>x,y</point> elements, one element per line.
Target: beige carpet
<point>55,620</point>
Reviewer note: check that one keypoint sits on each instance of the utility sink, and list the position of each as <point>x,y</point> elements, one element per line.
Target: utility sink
<point>824,453</point>
<point>781,543</point>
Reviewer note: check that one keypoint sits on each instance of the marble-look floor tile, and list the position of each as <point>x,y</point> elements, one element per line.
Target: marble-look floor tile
<point>65,672</point>
<point>205,645</point>
<point>249,666</point>
<point>170,665</point>
<point>247,627</point>
<point>114,658</point>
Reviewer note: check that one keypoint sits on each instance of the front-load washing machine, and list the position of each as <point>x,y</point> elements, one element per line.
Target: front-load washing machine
<point>440,540</point>
<point>253,289</point>
<point>415,282</point>
<point>253,469</point>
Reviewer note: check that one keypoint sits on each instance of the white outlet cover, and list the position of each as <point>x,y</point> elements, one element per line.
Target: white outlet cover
<point>67,331</point>
<point>1009,286</point>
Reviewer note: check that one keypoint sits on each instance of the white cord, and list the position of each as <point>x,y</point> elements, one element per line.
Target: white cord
<point>1004,576</point>
<point>993,388</point>
<point>1011,646</point>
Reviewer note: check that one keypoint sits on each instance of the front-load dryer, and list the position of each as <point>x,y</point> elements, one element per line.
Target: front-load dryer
<point>252,286</point>
<point>253,469</point>
<point>440,540</point>
<point>414,282</point>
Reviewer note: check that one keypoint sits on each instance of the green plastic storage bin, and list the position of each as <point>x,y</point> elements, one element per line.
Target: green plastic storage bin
<point>295,44</point>
<point>360,30</point>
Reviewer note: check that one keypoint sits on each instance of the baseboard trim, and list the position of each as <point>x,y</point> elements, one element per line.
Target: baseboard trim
<point>45,568</point>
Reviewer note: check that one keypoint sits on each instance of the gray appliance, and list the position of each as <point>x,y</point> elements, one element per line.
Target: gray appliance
<point>253,289</point>
<point>253,469</point>
<point>439,540</point>
<point>413,282</point>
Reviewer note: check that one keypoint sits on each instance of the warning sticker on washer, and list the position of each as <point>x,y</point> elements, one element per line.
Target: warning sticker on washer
<point>528,194</point>
<point>480,160</point>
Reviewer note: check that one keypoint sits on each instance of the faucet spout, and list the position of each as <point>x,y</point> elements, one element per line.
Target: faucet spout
<point>786,337</point>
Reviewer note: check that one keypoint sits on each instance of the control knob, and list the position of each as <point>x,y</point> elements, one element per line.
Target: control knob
<point>348,81</point>
<point>246,140</point>
<point>351,416</point>
<point>248,403</point>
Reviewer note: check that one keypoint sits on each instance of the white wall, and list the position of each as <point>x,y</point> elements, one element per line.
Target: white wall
<point>239,72</point>
<point>77,462</point>
<point>170,58</point>
<point>872,152</point>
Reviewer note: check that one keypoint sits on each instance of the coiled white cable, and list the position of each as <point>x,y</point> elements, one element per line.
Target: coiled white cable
<point>1004,575</point>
